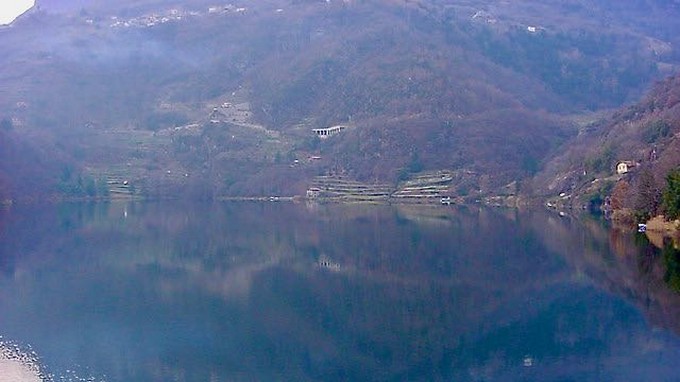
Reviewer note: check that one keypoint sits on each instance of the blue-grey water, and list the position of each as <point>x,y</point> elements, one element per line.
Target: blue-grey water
<point>133,291</point>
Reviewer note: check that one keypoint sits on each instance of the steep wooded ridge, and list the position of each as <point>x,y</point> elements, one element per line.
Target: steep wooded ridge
<point>644,137</point>
<point>202,99</point>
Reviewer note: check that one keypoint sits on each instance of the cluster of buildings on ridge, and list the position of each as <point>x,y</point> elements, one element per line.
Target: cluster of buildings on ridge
<point>170,16</point>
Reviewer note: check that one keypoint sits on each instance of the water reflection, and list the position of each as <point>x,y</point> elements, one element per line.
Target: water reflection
<point>268,291</point>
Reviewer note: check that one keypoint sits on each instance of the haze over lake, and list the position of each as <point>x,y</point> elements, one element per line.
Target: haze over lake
<point>365,142</point>
<point>245,291</point>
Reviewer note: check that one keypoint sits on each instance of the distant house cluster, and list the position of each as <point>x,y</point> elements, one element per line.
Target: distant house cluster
<point>148,20</point>
<point>226,9</point>
<point>171,15</point>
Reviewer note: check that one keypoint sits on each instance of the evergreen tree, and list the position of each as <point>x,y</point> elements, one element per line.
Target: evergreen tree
<point>671,196</point>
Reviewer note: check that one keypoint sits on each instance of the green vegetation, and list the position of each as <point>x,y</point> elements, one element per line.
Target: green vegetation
<point>530,164</point>
<point>671,259</point>
<point>671,195</point>
<point>596,199</point>
<point>79,185</point>
<point>655,131</point>
<point>415,165</point>
<point>601,162</point>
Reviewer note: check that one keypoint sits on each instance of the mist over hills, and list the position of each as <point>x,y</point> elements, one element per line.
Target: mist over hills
<point>126,90</point>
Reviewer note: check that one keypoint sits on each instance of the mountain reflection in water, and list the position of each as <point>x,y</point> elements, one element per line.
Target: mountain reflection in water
<point>248,291</point>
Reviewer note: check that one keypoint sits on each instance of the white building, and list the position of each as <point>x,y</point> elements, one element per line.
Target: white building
<point>328,131</point>
<point>624,167</point>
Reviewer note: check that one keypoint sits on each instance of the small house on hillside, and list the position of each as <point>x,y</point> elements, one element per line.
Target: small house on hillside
<point>624,167</point>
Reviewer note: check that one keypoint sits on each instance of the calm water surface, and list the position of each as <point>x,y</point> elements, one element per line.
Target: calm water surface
<point>265,292</point>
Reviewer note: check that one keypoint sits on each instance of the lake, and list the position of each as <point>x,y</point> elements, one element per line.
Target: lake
<point>144,291</point>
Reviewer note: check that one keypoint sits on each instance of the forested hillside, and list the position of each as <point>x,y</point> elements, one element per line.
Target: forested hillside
<point>200,99</point>
<point>643,136</point>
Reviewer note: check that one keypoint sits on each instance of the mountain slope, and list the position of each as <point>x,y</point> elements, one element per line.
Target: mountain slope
<point>128,89</point>
<point>646,134</point>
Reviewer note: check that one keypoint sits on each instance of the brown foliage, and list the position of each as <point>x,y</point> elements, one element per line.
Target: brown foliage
<point>620,197</point>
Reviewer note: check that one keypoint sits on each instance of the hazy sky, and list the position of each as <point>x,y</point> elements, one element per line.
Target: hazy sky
<point>10,9</point>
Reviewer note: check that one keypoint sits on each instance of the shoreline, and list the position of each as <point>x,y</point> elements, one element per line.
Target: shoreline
<point>659,224</point>
<point>491,201</point>
<point>17,366</point>
<point>15,371</point>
